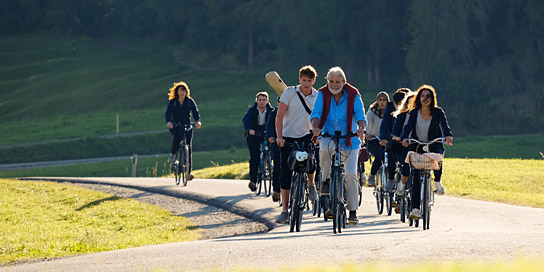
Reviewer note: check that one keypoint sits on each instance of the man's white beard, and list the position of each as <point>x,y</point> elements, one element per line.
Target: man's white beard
<point>335,91</point>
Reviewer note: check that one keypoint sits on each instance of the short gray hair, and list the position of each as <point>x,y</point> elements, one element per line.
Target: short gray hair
<point>336,71</point>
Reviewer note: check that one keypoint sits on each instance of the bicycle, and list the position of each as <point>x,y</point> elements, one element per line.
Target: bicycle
<point>379,189</point>
<point>180,166</point>
<point>264,176</point>
<point>425,163</point>
<point>299,163</point>
<point>337,200</point>
<point>361,170</point>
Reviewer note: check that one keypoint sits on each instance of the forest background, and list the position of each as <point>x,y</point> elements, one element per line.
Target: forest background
<point>485,58</point>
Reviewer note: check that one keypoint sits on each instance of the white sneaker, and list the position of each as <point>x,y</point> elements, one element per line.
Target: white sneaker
<point>171,158</point>
<point>372,180</point>
<point>439,188</point>
<point>415,214</point>
<point>364,177</point>
<point>400,189</point>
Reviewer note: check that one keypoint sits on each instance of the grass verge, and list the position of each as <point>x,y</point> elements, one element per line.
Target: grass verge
<point>48,220</point>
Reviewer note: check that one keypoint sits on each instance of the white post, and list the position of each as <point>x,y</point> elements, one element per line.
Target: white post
<point>134,160</point>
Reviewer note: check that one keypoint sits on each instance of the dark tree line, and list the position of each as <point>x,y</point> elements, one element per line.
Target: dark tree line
<point>485,57</point>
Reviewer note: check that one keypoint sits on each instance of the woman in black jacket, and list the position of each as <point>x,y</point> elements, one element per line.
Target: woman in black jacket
<point>178,115</point>
<point>427,122</point>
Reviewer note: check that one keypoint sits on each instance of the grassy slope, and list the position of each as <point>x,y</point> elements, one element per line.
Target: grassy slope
<point>47,220</point>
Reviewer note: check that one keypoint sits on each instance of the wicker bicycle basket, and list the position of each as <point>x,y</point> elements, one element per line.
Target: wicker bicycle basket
<point>425,161</point>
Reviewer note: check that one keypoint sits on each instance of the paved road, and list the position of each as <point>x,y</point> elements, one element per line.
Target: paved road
<point>460,230</point>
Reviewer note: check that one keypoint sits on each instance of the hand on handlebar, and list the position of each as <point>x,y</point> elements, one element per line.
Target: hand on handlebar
<point>384,142</point>
<point>170,125</point>
<point>271,139</point>
<point>198,124</point>
<point>251,132</point>
<point>316,132</point>
<point>280,142</point>
<point>449,140</point>
<point>405,142</point>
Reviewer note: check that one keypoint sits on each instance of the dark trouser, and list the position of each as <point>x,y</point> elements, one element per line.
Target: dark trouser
<point>395,153</point>
<point>275,151</point>
<point>285,151</point>
<point>376,150</point>
<point>177,132</point>
<point>253,144</point>
<point>416,183</point>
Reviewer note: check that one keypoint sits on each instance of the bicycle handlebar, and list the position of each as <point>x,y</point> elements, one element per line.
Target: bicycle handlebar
<point>414,141</point>
<point>336,136</point>
<point>187,127</point>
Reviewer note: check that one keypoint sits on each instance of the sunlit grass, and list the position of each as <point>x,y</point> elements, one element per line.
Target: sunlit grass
<point>48,220</point>
<point>510,181</point>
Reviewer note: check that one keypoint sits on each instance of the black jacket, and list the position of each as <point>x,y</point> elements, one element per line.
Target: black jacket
<point>438,128</point>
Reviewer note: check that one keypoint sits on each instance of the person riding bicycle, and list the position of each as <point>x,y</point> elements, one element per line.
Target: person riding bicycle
<point>374,117</point>
<point>275,150</point>
<point>385,134</point>
<point>255,124</point>
<point>427,122</point>
<point>178,115</point>
<point>293,126</point>
<point>339,107</point>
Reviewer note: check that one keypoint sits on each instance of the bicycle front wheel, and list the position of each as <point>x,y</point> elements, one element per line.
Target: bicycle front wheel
<point>379,192</point>
<point>177,171</point>
<point>260,178</point>
<point>296,199</point>
<point>338,206</point>
<point>426,201</point>
<point>268,181</point>
<point>185,165</point>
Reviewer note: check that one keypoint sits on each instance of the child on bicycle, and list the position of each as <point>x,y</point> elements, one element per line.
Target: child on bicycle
<point>178,115</point>
<point>374,117</point>
<point>427,122</point>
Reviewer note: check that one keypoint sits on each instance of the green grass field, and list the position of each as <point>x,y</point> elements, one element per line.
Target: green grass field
<point>48,220</point>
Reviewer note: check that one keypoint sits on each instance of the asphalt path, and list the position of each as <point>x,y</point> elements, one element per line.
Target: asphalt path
<point>461,230</point>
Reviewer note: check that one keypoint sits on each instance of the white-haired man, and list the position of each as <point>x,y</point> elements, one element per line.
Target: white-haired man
<point>338,106</point>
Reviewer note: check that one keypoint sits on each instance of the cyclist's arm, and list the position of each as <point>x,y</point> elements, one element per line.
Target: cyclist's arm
<point>248,121</point>
<point>196,114</point>
<point>282,108</point>
<point>168,115</point>
<point>446,128</point>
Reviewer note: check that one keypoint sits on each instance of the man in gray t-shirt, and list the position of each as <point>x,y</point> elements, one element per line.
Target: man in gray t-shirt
<point>293,125</point>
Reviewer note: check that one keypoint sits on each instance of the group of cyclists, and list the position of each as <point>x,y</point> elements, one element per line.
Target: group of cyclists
<point>304,115</point>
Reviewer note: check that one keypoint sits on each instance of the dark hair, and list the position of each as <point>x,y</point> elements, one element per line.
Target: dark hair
<point>398,96</point>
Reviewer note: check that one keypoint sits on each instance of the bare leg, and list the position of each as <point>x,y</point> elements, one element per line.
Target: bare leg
<point>285,198</point>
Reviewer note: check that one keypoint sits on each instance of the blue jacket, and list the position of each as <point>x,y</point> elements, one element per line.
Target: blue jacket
<point>438,128</point>
<point>251,119</point>
<point>387,122</point>
<point>181,113</point>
